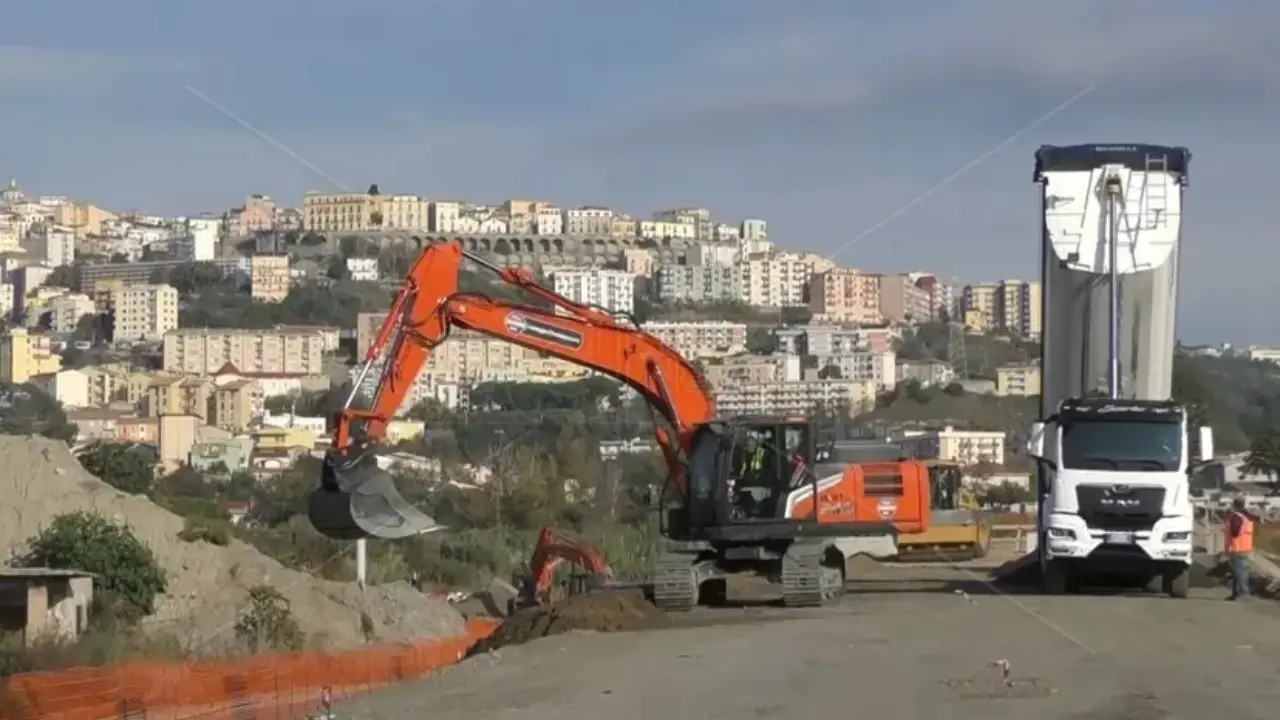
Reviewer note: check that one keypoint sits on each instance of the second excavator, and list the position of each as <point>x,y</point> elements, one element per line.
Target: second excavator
<point>745,495</point>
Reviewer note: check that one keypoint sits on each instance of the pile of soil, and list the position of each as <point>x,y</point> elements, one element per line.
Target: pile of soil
<point>207,584</point>
<point>603,611</point>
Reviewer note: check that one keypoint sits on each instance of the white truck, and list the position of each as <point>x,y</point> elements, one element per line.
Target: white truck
<point>1114,449</point>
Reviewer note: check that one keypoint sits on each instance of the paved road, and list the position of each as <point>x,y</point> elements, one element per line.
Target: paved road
<point>908,645</point>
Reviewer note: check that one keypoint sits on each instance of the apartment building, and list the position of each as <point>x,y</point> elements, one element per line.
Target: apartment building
<point>752,370</point>
<point>23,354</point>
<point>638,262</point>
<point>1009,306</point>
<point>926,372</point>
<point>69,387</point>
<point>846,295</point>
<point>592,221</point>
<point>144,312</point>
<point>776,280</point>
<point>203,351</point>
<point>6,299</point>
<point>362,212</point>
<point>140,273</point>
<point>966,447</point>
<point>699,283</point>
<point>177,395</point>
<point>613,290</point>
<point>696,340</point>
<point>1021,379</point>
<point>115,383</point>
<point>269,278</point>
<point>66,311</point>
<point>258,214</point>
<point>880,368</point>
<point>903,302</point>
<point>817,339</point>
<point>940,295</point>
<point>800,397</point>
<point>235,405</point>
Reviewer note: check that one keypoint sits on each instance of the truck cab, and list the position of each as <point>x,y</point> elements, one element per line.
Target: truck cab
<point>1117,498</point>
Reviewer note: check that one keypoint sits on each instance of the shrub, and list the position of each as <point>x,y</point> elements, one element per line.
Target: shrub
<point>122,564</point>
<point>268,623</point>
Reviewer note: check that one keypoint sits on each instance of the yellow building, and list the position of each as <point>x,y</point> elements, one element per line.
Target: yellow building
<point>269,279</point>
<point>362,212</point>
<point>178,395</point>
<point>1021,379</point>
<point>23,355</point>
<point>1008,306</point>
<point>234,405</point>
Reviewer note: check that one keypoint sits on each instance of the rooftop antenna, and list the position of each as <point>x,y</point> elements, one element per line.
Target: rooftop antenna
<point>1114,188</point>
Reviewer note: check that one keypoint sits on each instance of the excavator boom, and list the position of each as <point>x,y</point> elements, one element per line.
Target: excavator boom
<point>357,499</point>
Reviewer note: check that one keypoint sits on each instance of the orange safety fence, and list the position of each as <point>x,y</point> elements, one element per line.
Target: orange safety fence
<point>271,686</point>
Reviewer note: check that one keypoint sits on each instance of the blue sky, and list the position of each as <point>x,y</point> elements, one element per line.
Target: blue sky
<point>821,116</point>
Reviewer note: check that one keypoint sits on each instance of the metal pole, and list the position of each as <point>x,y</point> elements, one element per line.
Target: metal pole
<point>1114,189</point>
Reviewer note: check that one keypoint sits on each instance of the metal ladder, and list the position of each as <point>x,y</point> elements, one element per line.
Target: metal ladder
<point>1155,196</point>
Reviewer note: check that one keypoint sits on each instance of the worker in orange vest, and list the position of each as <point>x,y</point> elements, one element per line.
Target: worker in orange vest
<point>1239,543</point>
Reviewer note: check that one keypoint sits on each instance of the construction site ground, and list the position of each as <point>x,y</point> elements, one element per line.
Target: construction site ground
<point>908,641</point>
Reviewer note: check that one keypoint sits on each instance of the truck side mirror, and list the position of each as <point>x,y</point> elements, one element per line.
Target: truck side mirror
<point>1206,443</point>
<point>1035,441</point>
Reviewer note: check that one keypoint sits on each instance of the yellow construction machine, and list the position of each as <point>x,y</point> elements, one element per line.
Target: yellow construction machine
<point>958,530</point>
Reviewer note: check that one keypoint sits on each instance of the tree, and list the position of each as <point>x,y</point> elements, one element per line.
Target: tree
<point>62,276</point>
<point>762,341</point>
<point>1264,458</point>
<point>121,563</point>
<point>268,623</point>
<point>28,410</point>
<point>119,465</point>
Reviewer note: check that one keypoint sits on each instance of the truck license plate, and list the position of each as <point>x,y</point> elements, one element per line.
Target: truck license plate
<point>1120,538</point>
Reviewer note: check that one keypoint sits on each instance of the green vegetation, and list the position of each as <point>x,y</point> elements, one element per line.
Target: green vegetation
<point>28,410</point>
<point>123,566</point>
<point>123,467</point>
<point>268,624</point>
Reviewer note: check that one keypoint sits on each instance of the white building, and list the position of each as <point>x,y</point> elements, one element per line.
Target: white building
<point>613,290</point>
<point>548,221</point>
<point>145,312</point>
<point>802,397</point>
<point>362,269</point>
<point>67,311</point>
<point>59,246</point>
<point>199,240</point>
<point>967,447</point>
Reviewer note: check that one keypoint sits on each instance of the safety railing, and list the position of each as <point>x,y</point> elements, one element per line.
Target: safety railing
<point>262,687</point>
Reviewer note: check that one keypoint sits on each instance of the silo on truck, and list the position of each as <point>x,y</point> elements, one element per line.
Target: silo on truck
<point>1114,449</point>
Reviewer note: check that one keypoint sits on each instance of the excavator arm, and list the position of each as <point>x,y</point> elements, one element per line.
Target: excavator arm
<point>356,499</point>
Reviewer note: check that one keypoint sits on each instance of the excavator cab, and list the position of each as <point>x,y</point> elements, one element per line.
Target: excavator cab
<point>744,472</point>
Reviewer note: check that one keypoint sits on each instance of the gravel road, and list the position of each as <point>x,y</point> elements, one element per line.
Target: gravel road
<point>912,642</point>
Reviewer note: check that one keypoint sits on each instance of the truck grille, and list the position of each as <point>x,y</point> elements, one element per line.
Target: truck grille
<point>1120,507</point>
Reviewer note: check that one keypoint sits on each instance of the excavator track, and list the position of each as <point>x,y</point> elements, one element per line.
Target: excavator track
<point>675,582</point>
<point>806,582</point>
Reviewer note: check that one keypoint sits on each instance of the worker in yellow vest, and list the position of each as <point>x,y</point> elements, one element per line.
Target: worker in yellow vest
<point>1239,544</point>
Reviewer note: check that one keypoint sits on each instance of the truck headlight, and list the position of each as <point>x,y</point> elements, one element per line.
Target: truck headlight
<point>1062,533</point>
<point>1177,536</point>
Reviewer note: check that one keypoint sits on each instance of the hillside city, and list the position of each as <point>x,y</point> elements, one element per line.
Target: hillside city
<point>211,338</point>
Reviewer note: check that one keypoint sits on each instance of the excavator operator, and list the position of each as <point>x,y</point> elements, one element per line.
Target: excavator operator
<point>753,474</point>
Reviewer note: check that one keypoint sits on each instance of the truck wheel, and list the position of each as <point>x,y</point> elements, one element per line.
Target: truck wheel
<point>1177,583</point>
<point>1056,579</point>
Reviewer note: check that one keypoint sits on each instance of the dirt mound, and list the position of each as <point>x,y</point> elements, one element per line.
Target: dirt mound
<point>605,611</point>
<point>208,584</point>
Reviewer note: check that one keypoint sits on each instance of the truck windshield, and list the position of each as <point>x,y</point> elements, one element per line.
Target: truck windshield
<point>1089,444</point>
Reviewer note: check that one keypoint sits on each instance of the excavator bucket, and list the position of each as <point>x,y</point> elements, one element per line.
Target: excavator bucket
<point>357,499</point>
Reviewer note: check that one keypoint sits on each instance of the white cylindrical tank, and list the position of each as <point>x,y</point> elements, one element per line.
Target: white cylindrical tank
<point>1076,274</point>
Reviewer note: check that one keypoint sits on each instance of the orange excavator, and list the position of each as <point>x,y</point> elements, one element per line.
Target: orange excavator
<point>744,495</point>
<point>554,548</point>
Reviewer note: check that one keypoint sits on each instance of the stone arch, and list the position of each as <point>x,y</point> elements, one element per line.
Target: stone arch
<point>502,247</point>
